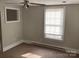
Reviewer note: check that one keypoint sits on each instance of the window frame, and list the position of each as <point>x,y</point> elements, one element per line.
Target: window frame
<point>63,26</point>
<point>18,15</point>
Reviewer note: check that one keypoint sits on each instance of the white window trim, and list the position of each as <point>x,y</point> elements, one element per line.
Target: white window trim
<point>64,9</point>
<point>13,8</point>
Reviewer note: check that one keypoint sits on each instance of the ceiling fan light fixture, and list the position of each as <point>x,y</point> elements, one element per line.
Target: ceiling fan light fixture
<point>27,6</point>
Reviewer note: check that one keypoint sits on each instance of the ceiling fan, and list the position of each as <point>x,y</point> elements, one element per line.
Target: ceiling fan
<point>27,4</point>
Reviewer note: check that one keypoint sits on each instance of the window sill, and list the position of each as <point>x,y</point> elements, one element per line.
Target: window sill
<point>54,39</point>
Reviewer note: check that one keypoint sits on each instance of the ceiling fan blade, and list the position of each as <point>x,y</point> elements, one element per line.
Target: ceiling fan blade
<point>37,4</point>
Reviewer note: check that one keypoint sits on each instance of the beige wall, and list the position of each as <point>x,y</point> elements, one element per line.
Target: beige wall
<point>34,21</point>
<point>11,32</point>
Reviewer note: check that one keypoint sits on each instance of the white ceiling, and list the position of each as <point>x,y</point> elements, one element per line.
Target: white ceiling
<point>55,2</point>
<point>47,2</point>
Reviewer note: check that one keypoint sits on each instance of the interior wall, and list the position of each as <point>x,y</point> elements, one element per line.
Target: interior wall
<point>34,26</point>
<point>11,32</point>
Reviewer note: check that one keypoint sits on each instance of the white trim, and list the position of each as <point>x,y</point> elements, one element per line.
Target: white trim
<point>12,45</point>
<point>13,8</point>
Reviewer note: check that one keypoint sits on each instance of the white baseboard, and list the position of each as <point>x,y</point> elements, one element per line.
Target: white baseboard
<point>71,50</point>
<point>12,45</point>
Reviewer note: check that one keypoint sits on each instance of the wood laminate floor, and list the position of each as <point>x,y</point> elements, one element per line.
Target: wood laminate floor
<point>32,51</point>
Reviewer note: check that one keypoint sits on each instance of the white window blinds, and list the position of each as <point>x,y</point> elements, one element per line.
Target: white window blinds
<point>53,26</point>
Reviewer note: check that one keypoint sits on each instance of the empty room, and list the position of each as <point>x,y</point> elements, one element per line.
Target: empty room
<point>39,28</point>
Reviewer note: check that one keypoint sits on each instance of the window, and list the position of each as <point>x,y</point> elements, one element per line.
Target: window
<point>12,14</point>
<point>53,26</point>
